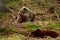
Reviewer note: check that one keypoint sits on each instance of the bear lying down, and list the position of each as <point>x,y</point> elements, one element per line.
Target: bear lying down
<point>42,33</point>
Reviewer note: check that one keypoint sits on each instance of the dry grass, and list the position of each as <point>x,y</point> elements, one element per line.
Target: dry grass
<point>37,6</point>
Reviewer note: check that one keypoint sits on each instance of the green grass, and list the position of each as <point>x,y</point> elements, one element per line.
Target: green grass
<point>54,25</point>
<point>30,26</point>
<point>17,4</point>
<point>14,36</point>
<point>37,3</point>
<point>2,15</point>
<point>14,4</point>
<point>12,27</point>
<point>2,30</point>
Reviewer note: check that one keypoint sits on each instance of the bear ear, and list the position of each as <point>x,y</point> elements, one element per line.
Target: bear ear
<point>15,17</point>
<point>25,9</point>
<point>38,30</point>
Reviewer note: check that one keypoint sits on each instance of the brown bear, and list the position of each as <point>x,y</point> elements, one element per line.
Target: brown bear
<point>42,33</point>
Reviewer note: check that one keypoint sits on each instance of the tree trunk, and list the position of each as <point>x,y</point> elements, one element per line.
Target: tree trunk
<point>2,5</point>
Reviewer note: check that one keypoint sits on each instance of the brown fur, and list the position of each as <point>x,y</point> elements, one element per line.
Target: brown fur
<point>18,19</point>
<point>42,33</point>
<point>26,15</point>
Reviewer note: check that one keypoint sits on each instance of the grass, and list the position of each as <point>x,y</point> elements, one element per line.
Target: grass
<point>2,15</point>
<point>37,3</point>
<point>14,4</point>
<point>30,26</point>
<point>14,36</point>
<point>40,3</point>
<point>54,25</point>
<point>2,30</point>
